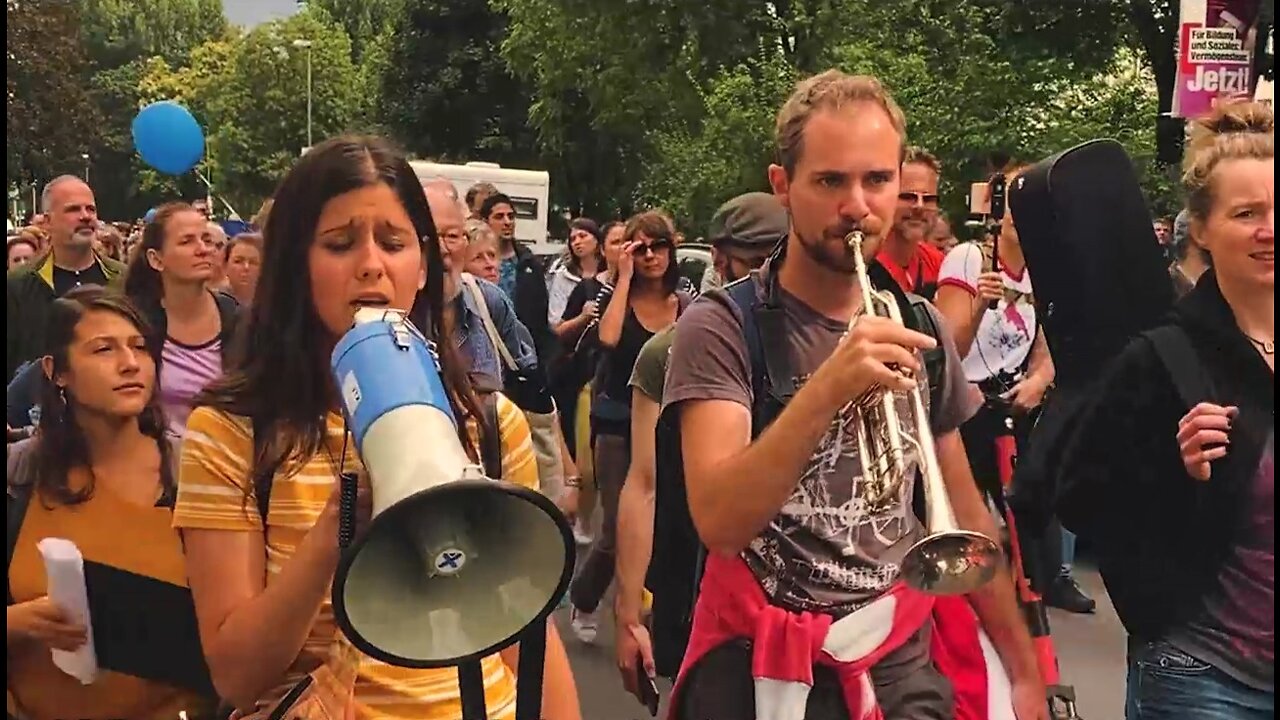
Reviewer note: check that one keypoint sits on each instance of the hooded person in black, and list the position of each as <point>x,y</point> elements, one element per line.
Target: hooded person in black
<point>1176,493</point>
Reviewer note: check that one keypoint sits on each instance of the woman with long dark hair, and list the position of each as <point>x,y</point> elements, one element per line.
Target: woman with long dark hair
<point>644,302</point>
<point>582,259</point>
<point>98,473</point>
<point>1172,474</point>
<point>258,501</point>
<point>168,280</point>
<point>571,383</point>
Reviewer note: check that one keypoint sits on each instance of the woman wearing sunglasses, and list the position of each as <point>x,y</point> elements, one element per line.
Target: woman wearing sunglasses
<point>644,302</point>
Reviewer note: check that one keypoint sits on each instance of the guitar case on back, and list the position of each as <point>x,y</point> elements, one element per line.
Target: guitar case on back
<point>1099,280</point>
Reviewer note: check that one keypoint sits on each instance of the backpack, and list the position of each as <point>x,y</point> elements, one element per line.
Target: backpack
<point>675,571</point>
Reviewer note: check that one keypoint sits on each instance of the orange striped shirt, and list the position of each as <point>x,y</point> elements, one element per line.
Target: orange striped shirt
<point>217,458</point>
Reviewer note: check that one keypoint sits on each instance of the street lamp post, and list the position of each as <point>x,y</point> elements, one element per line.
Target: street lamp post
<point>306,45</point>
<point>85,157</point>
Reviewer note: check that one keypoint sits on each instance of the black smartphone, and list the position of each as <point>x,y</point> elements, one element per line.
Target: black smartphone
<point>648,688</point>
<point>998,199</point>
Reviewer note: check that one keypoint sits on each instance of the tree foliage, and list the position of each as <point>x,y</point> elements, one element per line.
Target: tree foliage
<point>118,32</point>
<point>261,111</point>
<point>52,120</point>
<point>627,104</point>
<point>447,94</point>
<point>686,110</point>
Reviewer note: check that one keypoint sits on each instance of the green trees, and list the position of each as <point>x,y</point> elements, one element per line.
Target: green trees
<point>657,103</point>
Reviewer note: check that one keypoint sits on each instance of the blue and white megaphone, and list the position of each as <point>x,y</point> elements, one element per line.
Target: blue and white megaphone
<point>454,565</point>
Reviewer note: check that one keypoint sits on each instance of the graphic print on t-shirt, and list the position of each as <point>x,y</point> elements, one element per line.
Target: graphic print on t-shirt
<point>835,505</point>
<point>1002,342</point>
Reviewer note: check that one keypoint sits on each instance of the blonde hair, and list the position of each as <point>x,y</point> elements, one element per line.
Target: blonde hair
<point>479,231</point>
<point>1234,130</point>
<point>831,90</point>
<point>919,156</point>
<point>260,219</point>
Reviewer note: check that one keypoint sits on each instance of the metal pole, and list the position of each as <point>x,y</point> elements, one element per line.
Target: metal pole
<point>309,143</point>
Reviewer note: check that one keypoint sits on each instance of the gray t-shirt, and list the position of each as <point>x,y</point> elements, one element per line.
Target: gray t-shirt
<point>825,551</point>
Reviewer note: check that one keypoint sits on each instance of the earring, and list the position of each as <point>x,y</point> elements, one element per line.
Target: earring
<point>62,395</point>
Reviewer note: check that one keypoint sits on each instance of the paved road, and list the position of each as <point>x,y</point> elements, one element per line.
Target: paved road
<point>1090,650</point>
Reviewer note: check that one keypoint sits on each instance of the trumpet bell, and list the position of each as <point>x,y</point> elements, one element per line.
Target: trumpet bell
<point>956,562</point>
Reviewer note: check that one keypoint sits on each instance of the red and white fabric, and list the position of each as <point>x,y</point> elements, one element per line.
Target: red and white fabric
<point>786,646</point>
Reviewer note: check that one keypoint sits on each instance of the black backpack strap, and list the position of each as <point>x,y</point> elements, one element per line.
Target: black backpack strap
<point>229,315</point>
<point>743,294</point>
<point>1178,355</point>
<point>763,329</point>
<point>17,497</point>
<point>920,319</point>
<point>491,448</point>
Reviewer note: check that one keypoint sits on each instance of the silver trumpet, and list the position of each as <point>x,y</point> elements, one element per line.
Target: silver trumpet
<point>949,560</point>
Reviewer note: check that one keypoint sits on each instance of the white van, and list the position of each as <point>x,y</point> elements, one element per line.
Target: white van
<point>529,191</point>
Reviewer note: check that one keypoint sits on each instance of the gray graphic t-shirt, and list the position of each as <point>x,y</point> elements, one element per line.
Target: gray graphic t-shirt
<point>827,550</point>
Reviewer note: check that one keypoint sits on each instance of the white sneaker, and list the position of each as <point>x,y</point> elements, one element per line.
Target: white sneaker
<point>582,535</point>
<point>585,626</point>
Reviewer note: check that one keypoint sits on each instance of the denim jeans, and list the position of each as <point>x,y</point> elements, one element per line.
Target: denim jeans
<point>1168,684</point>
<point>1068,552</point>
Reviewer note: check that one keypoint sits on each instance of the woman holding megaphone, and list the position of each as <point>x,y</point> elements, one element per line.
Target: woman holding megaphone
<point>258,500</point>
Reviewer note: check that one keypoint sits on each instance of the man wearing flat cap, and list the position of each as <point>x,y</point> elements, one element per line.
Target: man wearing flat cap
<point>742,234</point>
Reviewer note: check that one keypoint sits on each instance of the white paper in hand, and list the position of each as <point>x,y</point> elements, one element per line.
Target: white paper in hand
<point>64,567</point>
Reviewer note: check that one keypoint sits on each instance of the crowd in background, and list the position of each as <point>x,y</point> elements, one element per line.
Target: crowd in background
<point>170,385</point>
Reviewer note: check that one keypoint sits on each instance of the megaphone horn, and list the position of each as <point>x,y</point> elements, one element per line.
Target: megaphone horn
<point>453,565</point>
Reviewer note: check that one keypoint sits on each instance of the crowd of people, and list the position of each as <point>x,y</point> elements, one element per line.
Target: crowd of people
<point>171,411</point>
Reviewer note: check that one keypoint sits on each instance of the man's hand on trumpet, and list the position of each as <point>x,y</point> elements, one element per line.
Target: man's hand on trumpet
<point>874,354</point>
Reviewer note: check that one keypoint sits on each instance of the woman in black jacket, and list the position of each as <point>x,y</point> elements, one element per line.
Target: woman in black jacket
<point>1171,473</point>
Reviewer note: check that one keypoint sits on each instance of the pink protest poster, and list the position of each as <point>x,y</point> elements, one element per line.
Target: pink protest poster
<point>1216,41</point>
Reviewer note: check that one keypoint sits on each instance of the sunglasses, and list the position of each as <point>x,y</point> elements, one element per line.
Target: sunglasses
<point>926,199</point>
<point>654,247</point>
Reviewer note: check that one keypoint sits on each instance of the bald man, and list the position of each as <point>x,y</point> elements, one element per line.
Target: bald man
<point>443,186</point>
<point>72,223</point>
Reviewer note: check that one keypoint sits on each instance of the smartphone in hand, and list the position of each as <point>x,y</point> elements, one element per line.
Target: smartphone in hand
<point>648,688</point>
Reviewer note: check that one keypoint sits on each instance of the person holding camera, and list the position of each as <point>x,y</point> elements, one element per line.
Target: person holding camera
<point>984,291</point>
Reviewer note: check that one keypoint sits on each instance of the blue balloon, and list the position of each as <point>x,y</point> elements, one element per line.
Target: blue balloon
<point>168,138</point>
<point>151,215</point>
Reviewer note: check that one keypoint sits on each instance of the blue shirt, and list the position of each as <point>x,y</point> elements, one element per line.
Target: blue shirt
<point>469,333</point>
<point>507,268</point>
<point>22,396</point>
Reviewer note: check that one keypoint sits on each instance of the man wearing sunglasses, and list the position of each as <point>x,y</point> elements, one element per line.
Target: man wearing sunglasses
<point>906,254</point>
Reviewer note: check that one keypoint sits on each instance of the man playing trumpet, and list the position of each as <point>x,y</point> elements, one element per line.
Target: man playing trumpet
<point>803,612</point>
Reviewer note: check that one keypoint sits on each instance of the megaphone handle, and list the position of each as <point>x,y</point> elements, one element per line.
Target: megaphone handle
<point>533,654</point>
<point>349,491</point>
<point>471,690</point>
